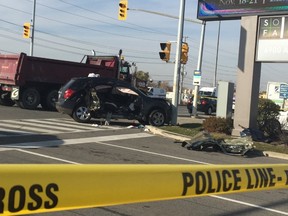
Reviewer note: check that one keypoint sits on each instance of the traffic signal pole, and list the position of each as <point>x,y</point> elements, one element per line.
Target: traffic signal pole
<point>177,68</point>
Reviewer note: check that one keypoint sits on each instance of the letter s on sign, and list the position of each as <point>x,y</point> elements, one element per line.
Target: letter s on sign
<point>49,192</point>
<point>33,194</point>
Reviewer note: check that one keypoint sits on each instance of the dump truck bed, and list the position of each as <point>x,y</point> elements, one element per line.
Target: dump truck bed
<point>20,69</point>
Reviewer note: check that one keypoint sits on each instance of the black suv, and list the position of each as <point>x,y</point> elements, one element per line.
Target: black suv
<point>206,104</point>
<point>93,97</point>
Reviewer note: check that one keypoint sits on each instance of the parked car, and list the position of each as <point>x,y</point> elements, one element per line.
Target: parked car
<point>91,97</point>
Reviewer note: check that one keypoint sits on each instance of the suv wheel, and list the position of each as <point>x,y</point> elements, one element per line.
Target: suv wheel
<point>157,118</point>
<point>209,111</point>
<point>81,114</point>
<point>49,100</point>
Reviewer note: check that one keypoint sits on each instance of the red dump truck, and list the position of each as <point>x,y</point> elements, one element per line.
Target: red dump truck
<point>30,81</point>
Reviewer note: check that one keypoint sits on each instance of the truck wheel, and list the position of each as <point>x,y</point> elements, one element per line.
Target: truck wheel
<point>49,100</point>
<point>29,99</point>
<point>81,114</point>
<point>157,118</point>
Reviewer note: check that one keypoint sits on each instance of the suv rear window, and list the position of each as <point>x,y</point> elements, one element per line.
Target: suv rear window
<point>75,84</point>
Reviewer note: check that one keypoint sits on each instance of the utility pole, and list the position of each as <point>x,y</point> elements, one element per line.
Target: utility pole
<point>182,80</point>
<point>33,28</point>
<point>177,68</point>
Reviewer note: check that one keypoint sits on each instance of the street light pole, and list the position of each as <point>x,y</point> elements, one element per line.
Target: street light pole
<point>199,67</point>
<point>217,53</point>
<point>33,28</point>
<point>177,68</point>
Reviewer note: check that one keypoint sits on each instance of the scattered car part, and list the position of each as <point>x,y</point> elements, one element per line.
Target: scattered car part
<point>239,146</point>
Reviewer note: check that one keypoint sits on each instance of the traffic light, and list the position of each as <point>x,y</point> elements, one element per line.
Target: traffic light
<point>184,53</point>
<point>123,7</point>
<point>165,51</point>
<point>26,30</point>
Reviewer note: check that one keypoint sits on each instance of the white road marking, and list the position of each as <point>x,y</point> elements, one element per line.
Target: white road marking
<point>153,153</point>
<point>48,126</point>
<point>47,156</point>
<point>249,204</point>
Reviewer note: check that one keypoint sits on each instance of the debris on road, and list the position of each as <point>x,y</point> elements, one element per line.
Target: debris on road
<point>239,146</point>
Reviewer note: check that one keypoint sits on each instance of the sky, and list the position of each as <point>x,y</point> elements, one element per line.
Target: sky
<point>70,29</point>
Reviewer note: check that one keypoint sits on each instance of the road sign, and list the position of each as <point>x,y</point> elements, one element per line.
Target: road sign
<point>197,78</point>
<point>283,91</point>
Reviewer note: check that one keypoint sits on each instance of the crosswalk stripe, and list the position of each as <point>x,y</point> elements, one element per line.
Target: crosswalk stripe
<point>25,128</point>
<point>15,132</point>
<point>72,124</point>
<point>82,124</point>
<point>40,127</point>
<point>19,127</point>
<point>54,143</point>
<point>85,125</point>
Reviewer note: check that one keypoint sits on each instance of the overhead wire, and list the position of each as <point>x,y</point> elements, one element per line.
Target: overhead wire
<point>78,26</point>
<point>124,26</point>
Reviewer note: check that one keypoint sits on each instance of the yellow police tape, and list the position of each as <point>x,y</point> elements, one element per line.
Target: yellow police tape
<point>28,189</point>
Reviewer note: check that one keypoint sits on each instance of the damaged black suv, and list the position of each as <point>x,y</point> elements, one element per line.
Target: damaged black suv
<point>93,97</point>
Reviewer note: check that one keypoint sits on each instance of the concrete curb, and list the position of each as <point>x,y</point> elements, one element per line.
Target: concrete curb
<point>167,134</point>
<point>275,155</point>
<point>182,138</point>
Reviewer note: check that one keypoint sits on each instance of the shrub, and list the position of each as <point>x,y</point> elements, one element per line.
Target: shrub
<point>218,125</point>
<point>267,110</point>
<point>267,118</point>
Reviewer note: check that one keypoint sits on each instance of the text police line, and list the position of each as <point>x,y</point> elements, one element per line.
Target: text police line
<point>230,180</point>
